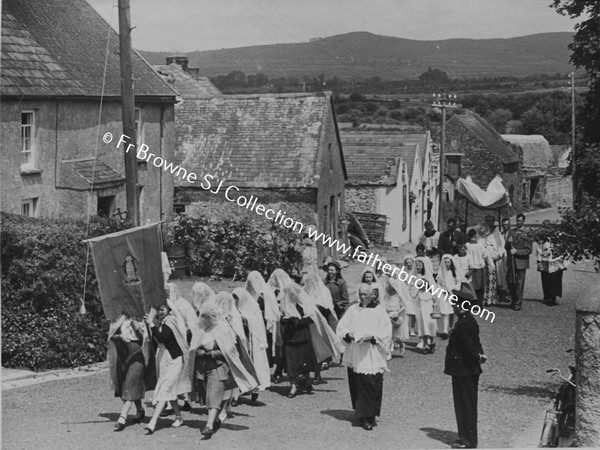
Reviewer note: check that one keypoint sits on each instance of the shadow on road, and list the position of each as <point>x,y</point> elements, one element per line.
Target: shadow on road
<point>529,391</point>
<point>340,414</point>
<point>444,436</point>
<point>200,424</point>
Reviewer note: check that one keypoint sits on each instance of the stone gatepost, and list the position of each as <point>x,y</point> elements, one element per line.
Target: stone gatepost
<point>587,358</point>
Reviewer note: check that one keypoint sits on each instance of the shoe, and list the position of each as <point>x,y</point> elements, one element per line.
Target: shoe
<point>516,308</point>
<point>443,336</point>
<point>207,432</point>
<point>325,366</point>
<point>186,407</point>
<point>254,397</point>
<point>166,412</point>
<point>425,350</point>
<point>178,422</point>
<point>293,392</point>
<point>120,425</point>
<point>459,445</point>
<point>367,426</point>
<point>432,348</point>
<point>413,334</point>
<point>148,431</point>
<point>217,425</point>
<point>235,402</point>
<point>318,379</point>
<point>309,388</point>
<point>402,351</point>
<point>277,379</point>
<point>139,416</point>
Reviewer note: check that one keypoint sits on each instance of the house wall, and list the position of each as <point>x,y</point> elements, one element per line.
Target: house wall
<point>331,192</point>
<point>364,199</point>
<point>482,165</point>
<point>69,130</point>
<point>559,190</point>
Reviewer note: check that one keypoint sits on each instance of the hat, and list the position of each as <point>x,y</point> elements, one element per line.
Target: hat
<point>331,262</point>
<point>464,294</point>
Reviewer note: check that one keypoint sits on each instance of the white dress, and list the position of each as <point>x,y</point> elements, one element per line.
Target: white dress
<point>363,356</point>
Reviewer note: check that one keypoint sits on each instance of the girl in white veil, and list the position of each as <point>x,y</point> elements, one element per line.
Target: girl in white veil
<point>257,336</point>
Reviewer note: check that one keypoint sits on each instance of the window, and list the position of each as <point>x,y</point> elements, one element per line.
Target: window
<point>28,140</point>
<point>453,167</point>
<point>179,209</point>
<point>139,135</point>
<point>404,206</point>
<point>106,206</point>
<point>29,207</point>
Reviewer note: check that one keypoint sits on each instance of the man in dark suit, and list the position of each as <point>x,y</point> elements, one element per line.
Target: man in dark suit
<point>464,356</point>
<point>451,239</point>
<point>518,249</point>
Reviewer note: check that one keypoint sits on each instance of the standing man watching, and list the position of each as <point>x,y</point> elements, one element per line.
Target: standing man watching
<point>502,274</point>
<point>450,239</point>
<point>464,356</point>
<point>518,247</point>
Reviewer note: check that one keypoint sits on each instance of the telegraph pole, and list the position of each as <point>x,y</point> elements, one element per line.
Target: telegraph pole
<point>574,171</point>
<point>442,101</point>
<point>128,108</point>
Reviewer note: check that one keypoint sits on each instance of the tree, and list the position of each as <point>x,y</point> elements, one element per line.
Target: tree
<point>499,118</point>
<point>434,76</point>
<point>586,54</point>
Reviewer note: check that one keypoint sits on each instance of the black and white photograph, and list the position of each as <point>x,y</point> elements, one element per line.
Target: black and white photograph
<point>266,224</point>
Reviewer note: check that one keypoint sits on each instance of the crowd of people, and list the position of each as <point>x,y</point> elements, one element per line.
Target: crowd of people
<point>217,346</point>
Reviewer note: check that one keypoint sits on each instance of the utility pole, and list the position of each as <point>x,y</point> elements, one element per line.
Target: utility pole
<point>128,108</point>
<point>574,171</point>
<point>442,101</point>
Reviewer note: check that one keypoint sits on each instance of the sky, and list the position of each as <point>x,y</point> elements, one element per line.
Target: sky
<point>188,25</point>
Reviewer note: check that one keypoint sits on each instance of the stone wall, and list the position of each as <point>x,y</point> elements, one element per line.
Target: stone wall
<point>362,199</point>
<point>559,190</point>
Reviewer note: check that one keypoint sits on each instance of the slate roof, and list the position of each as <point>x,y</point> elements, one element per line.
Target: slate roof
<point>185,85</point>
<point>57,48</point>
<point>82,174</point>
<point>487,135</point>
<point>266,140</point>
<point>537,153</point>
<point>369,160</point>
<point>373,157</point>
<point>360,144</point>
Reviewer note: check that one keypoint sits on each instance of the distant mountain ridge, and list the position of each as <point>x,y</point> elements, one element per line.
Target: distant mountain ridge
<point>362,54</point>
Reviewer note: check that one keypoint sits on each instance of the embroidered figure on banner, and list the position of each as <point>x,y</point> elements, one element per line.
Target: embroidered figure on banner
<point>130,270</point>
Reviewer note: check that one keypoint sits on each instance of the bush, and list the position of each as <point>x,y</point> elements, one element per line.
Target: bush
<point>237,246</point>
<point>43,273</point>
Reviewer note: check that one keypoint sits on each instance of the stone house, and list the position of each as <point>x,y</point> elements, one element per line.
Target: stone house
<point>273,147</point>
<point>56,107</point>
<point>475,148</point>
<point>386,176</point>
<point>538,160</point>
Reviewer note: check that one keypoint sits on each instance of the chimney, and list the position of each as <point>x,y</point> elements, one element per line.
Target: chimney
<point>179,60</point>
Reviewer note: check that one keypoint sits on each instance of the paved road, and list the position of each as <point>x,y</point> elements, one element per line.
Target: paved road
<point>417,408</point>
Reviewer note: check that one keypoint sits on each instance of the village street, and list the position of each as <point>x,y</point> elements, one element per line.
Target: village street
<point>417,408</point>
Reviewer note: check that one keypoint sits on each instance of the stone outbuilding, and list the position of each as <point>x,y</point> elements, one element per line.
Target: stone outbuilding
<point>275,147</point>
<point>475,148</point>
<point>56,106</point>
<point>538,160</point>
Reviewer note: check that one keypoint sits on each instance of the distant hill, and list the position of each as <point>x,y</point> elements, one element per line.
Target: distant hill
<point>362,54</point>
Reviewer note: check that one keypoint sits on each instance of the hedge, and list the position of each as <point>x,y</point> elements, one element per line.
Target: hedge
<point>43,270</point>
<point>237,247</point>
